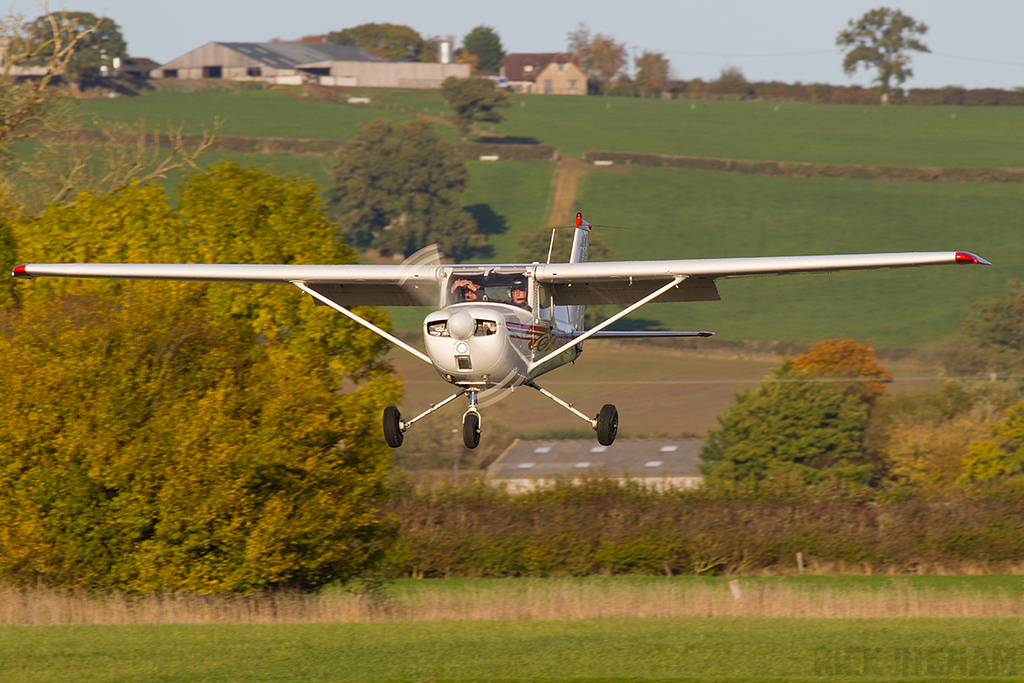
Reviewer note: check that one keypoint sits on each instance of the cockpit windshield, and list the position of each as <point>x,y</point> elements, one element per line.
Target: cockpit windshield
<point>505,288</point>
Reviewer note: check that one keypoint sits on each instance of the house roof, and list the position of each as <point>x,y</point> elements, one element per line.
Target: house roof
<point>293,55</point>
<point>638,458</point>
<point>515,64</point>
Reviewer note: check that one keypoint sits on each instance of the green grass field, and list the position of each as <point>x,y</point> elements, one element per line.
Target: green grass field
<point>889,136</point>
<point>599,650</point>
<point>251,113</point>
<point>847,134</point>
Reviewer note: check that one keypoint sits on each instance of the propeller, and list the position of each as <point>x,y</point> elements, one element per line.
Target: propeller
<point>422,290</point>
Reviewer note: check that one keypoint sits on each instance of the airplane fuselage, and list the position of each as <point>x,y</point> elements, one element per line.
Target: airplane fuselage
<point>493,342</point>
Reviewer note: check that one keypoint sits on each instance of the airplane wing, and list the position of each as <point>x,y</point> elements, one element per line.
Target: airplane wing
<point>346,285</point>
<point>623,282</point>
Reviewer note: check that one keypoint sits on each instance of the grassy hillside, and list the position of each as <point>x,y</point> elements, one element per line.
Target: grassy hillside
<point>278,112</point>
<point>891,136</point>
<point>848,134</point>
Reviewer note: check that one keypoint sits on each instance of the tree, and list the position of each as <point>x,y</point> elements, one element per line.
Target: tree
<point>602,59</point>
<point>100,42</point>
<point>182,436</point>
<point>485,43</point>
<point>398,188</point>
<point>787,427</point>
<point>472,100</point>
<point>1001,456</point>
<point>845,358</point>
<point>26,106</point>
<point>730,81</point>
<point>64,159</point>
<point>998,327</point>
<point>880,40</point>
<point>652,72</point>
<point>390,41</point>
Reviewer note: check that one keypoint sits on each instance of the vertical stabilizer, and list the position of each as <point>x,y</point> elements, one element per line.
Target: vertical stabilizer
<point>580,254</point>
<point>580,241</point>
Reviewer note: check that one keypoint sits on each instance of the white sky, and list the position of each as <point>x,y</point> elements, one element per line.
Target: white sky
<point>975,43</point>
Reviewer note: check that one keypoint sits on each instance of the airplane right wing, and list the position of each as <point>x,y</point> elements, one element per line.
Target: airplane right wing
<point>623,282</point>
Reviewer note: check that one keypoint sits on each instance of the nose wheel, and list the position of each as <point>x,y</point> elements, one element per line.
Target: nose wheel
<point>471,429</point>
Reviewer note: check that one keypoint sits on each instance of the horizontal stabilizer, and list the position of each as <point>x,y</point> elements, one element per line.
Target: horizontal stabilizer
<point>626,334</point>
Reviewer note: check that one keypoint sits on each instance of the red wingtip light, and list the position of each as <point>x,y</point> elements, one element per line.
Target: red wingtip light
<point>579,219</point>
<point>19,271</point>
<point>969,258</point>
<point>705,334</point>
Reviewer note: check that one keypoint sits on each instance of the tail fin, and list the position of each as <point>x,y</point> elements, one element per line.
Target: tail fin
<point>580,241</point>
<point>580,254</point>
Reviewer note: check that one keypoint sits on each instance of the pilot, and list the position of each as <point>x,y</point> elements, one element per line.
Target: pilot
<point>468,290</point>
<point>518,291</point>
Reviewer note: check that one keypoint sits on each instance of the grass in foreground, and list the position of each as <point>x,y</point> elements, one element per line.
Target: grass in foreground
<point>606,650</point>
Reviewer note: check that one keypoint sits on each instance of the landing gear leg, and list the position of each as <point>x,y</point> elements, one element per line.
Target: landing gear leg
<point>471,423</point>
<point>606,423</point>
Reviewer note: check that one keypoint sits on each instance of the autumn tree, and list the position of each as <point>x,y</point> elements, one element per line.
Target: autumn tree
<point>398,188</point>
<point>847,359</point>
<point>485,43</point>
<point>998,328</point>
<point>390,41</point>
<point>99,43</point>
<point>652,72</point>
<point>188,436</point>
<point>730,81</point>
<point>880,40</point>
<point>474,100</point>
<point>65,160</point>
<point>788,427</point>
<point>26,105</point>
<point>602,59</point>
<point>1001,456</point>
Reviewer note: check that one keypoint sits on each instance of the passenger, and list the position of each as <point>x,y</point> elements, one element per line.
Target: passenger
<point>518,292</point>
<point>468,290</point>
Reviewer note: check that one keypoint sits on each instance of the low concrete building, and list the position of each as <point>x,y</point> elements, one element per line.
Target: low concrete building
<point>657,463</point>
<point>548,73</point>
<point>298,63</point>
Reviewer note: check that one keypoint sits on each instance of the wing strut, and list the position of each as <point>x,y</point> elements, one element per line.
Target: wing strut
<point>597,328</point>
<point>365,323</point>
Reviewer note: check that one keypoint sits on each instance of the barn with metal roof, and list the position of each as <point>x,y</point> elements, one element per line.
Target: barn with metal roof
<point>298,63</point>
<point>658,463</point>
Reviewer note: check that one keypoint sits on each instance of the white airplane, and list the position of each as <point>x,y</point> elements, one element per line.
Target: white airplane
<point>498,327</point>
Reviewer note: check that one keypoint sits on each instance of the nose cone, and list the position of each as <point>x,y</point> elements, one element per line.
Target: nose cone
<point>461,325</point>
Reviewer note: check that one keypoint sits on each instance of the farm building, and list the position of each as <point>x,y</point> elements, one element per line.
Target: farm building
<point>297,63</point>
<point>658,463</point>
<point>548,73</point>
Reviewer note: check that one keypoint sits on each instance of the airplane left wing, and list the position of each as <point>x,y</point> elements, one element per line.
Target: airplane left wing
<point>346,285</point>
<point>623,282</point>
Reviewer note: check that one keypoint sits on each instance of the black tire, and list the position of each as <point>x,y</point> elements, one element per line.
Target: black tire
<point>607,425</point>
<point>471,430</point>
<point>393,433</point>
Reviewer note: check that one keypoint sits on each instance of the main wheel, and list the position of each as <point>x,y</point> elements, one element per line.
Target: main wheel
<point>471,430</point>
<point>393,433</point>
<point>607,425</point>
